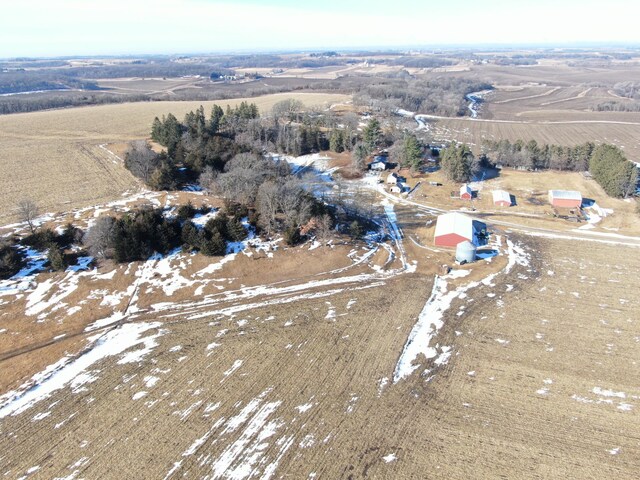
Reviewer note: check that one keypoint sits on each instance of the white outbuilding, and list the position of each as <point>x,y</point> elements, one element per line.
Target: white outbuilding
<point>501,198</point>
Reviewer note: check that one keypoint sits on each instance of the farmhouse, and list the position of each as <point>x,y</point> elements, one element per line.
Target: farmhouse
<point>565,198</point>
<point>454,228</point>
<point>501,198</point>
<point>379,163</point>
<point>465,192</point>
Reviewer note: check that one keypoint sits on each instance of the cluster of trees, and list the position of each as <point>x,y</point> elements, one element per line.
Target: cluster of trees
<point>611,169</point>
<point>439,96</point>
<point>139,234</point>
<point>16,81</point>
<point>459,164</point>
<point>60,99</point>
<point>532,156</point>
<point>274,199</point>
<point>615,106</point>
<point>608,165</point>
<point>628,89</point>
<point>203,142</point>
<point>408,152</point>
<point>158,171</point>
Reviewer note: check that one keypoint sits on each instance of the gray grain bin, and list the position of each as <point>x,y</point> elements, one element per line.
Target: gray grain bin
<point>465,252</point>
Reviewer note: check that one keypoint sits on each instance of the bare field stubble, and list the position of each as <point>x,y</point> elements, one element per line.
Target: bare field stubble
<point>540,384</point>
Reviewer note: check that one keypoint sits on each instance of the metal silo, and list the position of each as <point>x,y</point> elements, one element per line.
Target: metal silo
<point>465,252</point>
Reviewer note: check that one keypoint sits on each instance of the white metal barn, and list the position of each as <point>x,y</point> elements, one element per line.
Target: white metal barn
<point>454,228</point>
<point>501,198</point>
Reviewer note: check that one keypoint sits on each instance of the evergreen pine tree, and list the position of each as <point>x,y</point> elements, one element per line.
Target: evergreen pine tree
<point>214,246</point>
<point>235,230</point>
<point>372,134</point>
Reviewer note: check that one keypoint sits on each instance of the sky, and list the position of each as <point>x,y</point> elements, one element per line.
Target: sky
<point>116,27</point>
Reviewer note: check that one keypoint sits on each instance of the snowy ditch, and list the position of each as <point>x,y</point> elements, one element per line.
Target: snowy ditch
<point>431,318</point>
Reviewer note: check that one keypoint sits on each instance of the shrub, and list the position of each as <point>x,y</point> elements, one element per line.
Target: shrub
<point>56,258</point>
<point>235,209</point>
<point>190,235</point>
<point>355,230</point>
<point>219,224</point>
<point>41,239</point>
<point>186,211</point>
<point>292,235</point>
<point>139,234</point>
<point>11,260</point>
<point>70,235</point>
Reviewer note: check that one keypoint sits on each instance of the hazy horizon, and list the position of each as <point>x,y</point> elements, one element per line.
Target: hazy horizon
<point>39,28</point>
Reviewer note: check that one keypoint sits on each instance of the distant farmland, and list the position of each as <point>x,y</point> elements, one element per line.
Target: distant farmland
<point>623,135</point>
<point>55,156</point>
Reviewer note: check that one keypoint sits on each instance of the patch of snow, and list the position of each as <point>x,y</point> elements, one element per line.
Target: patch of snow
<point>66,370</point>
<point>304,408</point>
<point>236,365</point>
<point>389,458</point>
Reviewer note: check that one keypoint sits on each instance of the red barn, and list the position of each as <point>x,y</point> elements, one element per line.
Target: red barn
<point>565,198</point>
<point>465,192</point>
<point>454,228</point>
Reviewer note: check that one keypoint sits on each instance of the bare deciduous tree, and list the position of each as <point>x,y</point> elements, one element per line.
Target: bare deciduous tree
<point>141,160</point>
<point>289,200</point>
<point>324,229</point>
<point>28,212</point>
<point>207,179</point>
<point>358,157</point>
<point>268,205</point>
<point>99,238</point>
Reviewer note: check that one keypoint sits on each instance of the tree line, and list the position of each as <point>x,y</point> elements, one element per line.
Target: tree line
<point>606,163</point>
<point>532,156</point>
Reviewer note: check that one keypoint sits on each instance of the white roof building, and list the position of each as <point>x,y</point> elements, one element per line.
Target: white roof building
<point>453,228</point>
<point>501,197</point>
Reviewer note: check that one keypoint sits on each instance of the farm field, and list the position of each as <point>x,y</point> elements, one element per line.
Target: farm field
<point>473,132</point>
<point>551,103</point>
<point>65,147</point>
<point>223,373</point>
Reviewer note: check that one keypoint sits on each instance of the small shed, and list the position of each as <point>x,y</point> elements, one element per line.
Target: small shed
<point>465,192</point>
<point>501,198</point>
<point>565,198</point>
<point>454,228</point>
